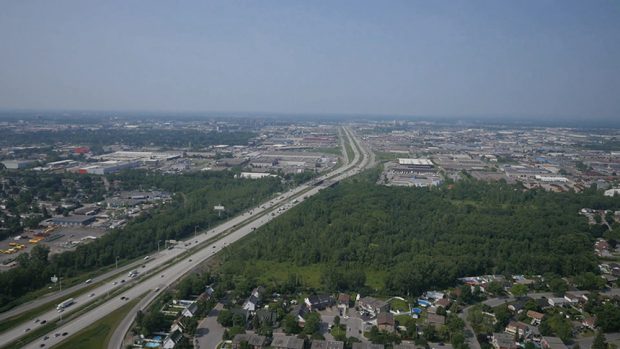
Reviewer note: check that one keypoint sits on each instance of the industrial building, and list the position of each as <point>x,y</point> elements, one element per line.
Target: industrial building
<point>75,220</point>
<point>17,164</point>
<point>107,167</point>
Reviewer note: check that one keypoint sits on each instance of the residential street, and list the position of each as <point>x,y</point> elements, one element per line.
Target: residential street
<point>209,332</point>
<point>470,335</point>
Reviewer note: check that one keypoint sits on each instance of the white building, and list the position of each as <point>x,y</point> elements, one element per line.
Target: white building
<point>612,192</point>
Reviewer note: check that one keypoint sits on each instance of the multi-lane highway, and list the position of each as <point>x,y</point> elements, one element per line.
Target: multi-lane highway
<point>155,274</point>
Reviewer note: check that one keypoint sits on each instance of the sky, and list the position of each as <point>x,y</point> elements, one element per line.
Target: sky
<point>497,58</point>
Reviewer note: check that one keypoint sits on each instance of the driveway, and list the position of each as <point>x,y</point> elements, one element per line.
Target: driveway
<point>209,332</point>
<point>354,323</point>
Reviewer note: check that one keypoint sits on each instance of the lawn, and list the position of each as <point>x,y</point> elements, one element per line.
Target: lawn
<point>98,334</point>
<point>397,304</point>
<point>270,272</point>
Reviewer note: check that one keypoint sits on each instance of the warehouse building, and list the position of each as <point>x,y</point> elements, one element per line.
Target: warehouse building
<point>72,221</point>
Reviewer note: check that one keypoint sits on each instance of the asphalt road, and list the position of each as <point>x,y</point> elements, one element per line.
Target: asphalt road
<point>209,332</point>
<point>61,295</point>
<point>156,283</point>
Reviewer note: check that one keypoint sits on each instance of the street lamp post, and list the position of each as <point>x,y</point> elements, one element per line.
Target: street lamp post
<point>116,262</point>
<point>195,228</point>
<point>158,241</point>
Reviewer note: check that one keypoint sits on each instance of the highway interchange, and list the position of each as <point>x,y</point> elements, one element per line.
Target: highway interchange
<point>154,273</point>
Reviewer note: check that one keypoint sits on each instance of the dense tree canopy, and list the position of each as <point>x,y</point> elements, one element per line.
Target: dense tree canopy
<point>426,238</point>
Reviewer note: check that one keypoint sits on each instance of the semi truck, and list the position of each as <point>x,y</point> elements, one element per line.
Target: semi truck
<point>65,304</point>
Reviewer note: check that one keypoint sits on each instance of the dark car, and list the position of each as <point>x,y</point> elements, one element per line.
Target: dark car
<point>64,334</point>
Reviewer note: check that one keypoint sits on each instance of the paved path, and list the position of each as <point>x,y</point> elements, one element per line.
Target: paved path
<point>209,332</point>
<point>470,335</point>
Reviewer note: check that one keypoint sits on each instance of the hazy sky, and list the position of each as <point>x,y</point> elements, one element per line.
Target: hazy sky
<point>546,58</point>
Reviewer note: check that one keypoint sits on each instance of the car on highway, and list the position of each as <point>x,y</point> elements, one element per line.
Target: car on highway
<point>88,281</point>
<point>46,338</point>
<point>190,260</point>
<point>42,345</point>
<point>65,334</point>
<point>91,295</point>
<point>43,322</point>
<point>122,281</point>
<point>27,329</point>
<point>162,275</point>
<point>57,334</point>
<point>114,283</point>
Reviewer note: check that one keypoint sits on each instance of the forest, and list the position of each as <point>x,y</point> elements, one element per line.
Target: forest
<point>195,196</point>
<point>420,238</point>
<point>96,138</point>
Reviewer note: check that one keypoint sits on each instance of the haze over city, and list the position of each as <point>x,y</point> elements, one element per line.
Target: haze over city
<point>546,59</point>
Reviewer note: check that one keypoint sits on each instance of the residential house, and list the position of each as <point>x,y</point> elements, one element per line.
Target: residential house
<point>344,300</point>
<point>287,342</point>
<point>535,316</point>
<point>253,340</point>
<point>299,311</point>
<point>518,306</point>
<point>190,310</point>
<point>436,320</point>
<point>253,302</point>
<point>267,316</point>
<point>503,341</point>
<point>589,322</point>
<point>576,297</point>
<point>385,322</point>
<point>172,339</point>
<point>517,327</point>
<point>177,325</point>
<point>443,302</point>
<point>318,302</point>
<point>557,301</point>
<point>366,345</point>
<point>435,295</point>
<point>320,344</point>
<point>373,306</point>
<point>552,343</point>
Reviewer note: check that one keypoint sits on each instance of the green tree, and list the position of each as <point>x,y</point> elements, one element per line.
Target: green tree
<point>313,323</point>
<point>519,290</point>
<point>599,341</point>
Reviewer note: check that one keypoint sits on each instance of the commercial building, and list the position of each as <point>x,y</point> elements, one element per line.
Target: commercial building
<point>17,164</point>
<point>75,220</point>
<point>107,167</point>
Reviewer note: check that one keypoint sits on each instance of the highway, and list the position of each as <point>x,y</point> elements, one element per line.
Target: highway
<point>153,283</point>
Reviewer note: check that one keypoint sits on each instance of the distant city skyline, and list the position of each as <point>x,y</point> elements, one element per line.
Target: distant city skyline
<point>490,59</point>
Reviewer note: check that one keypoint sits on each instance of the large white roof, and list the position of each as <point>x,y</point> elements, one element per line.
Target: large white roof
<point>406,161</point>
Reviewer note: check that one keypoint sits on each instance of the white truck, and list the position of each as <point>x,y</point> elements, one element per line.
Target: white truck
<point>65,304</point>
